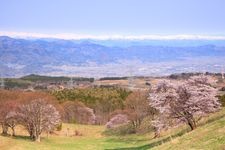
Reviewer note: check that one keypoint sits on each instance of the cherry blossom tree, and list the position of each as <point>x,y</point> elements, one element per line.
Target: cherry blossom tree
<point>79,113</point>
<point>117,120</point>
<point>185,101</point>
<point>38,116</point>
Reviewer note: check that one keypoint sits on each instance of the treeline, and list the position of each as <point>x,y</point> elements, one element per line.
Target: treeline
<point>39,78</point>
<point>85,106</point>
<point>31,80</point>
<point>103,101</point>
<point>11,83</point>
<point>188,75</point>
<point>113,78</point>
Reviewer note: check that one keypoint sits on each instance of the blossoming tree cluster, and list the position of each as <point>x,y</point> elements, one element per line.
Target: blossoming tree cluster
<point>185,101</point>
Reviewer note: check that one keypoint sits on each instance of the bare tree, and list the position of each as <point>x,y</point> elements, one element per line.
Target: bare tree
<point>38,116</point>
<point>137,107</point>
<point>12,120</point>
<point>185,101</point>
<point>7,116</point>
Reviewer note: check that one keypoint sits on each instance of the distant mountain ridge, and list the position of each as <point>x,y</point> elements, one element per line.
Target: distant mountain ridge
<point>66,57</point>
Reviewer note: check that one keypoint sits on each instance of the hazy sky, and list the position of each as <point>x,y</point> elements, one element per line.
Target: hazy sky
<point>122,17</point>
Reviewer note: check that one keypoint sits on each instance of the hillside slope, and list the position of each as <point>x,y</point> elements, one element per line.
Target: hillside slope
<point>209,135</point>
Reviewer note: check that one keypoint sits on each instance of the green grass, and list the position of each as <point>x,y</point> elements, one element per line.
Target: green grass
<point>210,134</point>
<point>91,139</point>
<point>207,136</point>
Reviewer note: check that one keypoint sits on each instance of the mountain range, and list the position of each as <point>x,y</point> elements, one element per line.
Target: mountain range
<point>90,58</point>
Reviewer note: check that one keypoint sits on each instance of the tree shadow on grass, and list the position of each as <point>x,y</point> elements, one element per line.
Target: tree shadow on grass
<point>125,140</point>
<point>25,138</point>
<point>154,144</point>
<point>22,137</point>
<point>18,137</point>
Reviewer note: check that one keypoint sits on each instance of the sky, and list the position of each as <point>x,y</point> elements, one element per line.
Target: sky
<point>117,18</point>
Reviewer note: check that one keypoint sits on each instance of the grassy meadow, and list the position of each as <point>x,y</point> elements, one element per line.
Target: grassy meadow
<point>210,134</point>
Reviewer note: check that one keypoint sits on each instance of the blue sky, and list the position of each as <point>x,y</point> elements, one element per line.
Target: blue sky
<point>114,17</point>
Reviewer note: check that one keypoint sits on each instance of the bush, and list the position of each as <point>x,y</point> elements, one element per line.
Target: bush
<point>117,120</point>
<point>120,130</point>
<point>222,100</point>
<point>59,127</point>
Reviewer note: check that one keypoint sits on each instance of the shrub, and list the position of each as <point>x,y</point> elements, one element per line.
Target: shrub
<point>59,127</point>
<point>222,100</point>
<point>120,130</point>
<point>117,120</point>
